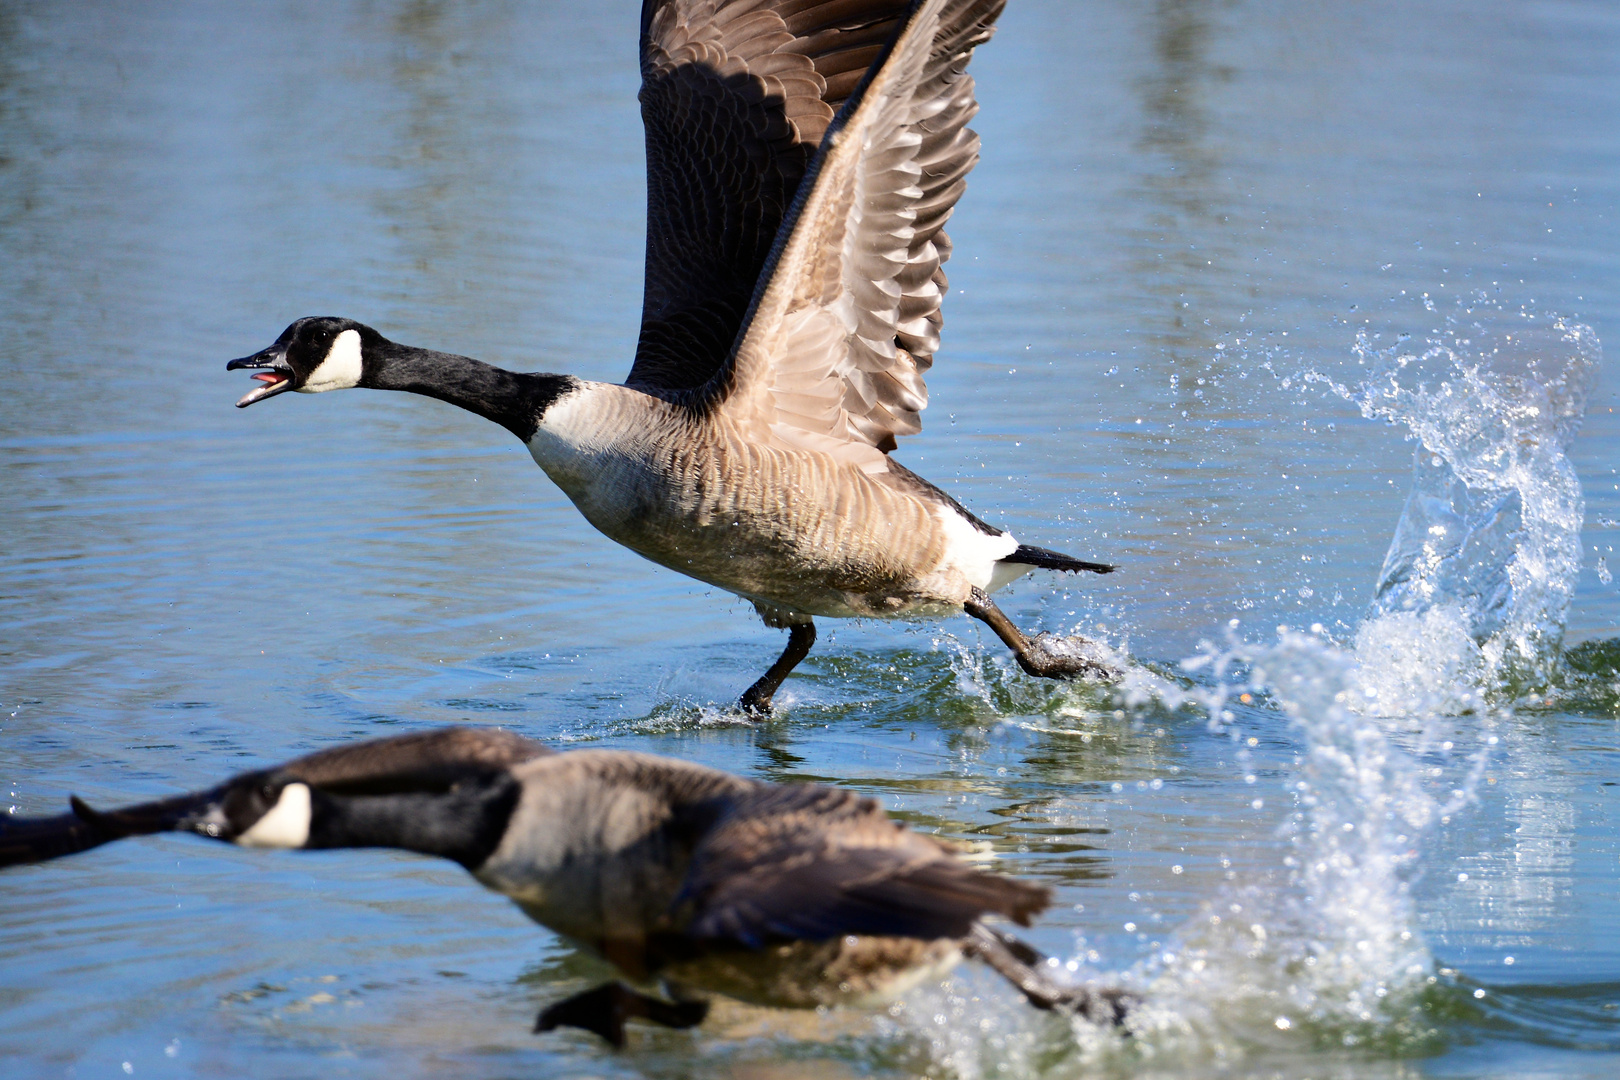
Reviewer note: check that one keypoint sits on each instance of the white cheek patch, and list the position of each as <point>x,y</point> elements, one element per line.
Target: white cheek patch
<point>341,368</point>
<point>287,823</point>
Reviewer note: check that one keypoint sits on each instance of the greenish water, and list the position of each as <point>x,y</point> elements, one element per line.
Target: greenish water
<point>1183,274</point>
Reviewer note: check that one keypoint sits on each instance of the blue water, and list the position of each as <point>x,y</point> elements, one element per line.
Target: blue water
<point>1206,244</point>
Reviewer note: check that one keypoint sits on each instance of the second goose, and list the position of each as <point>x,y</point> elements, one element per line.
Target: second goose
<point>689,880</point>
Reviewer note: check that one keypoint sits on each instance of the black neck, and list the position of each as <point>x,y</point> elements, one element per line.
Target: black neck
<point>465,823</point>
<point>514,400</point>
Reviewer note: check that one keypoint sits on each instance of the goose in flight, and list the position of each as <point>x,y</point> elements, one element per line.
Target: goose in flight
<point>802,158</point>
<point>689,880</point>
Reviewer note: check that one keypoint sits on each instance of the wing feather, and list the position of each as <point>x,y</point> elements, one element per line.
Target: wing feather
<point>736,96</point>
<point>809,862</point>
<point>851,306</point>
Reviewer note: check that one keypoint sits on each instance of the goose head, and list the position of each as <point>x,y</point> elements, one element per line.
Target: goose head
<point>313,355</point>
<point>261,809</point>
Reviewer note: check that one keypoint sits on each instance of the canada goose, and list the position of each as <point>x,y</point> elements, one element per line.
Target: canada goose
<point>802,157</point>
<point>790,896</point>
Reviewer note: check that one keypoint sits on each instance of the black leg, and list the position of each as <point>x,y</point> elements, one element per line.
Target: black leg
<point>1023,966</point>
<point>757,698</point>
<point>1045,655</point>
<point>605,1009</point>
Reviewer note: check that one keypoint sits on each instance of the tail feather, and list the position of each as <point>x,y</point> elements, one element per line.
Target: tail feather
<point>1054,560</point>
<point>1022,965</point>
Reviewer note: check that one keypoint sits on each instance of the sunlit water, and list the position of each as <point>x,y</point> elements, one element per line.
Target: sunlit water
<point>1297,315</point>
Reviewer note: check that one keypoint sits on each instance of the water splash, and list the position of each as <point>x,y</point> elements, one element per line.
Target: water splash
<point>1470,601</point>
<point>1472,596</point>
<point>1326,951</point>
<point>1489,541</point>
<point>1392,729</point>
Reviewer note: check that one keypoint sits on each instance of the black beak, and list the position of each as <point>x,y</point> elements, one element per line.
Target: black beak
<point>274,372</point>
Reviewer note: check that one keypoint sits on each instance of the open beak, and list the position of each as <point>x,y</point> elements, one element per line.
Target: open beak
<point>273,371</point>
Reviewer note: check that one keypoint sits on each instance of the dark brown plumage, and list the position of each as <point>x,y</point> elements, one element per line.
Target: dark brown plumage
<point>737,97</point>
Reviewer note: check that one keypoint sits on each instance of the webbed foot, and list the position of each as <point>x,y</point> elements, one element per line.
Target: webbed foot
<point>1047,656</point>
<point>605,1009</point>
<point>1056,656</point>
<point>756,700</point>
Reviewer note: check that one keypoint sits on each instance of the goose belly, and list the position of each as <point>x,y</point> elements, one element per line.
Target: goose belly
<point>858,971</point>
<point>792,530</point>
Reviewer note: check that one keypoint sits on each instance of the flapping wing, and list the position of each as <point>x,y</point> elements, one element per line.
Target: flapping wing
<point>810,862</point>
<point>736,96</point>
<point>848,319</point>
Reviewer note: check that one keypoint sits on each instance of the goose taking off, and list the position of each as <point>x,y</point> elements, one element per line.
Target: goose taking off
<point>802,156</point>
<point>681,876</point>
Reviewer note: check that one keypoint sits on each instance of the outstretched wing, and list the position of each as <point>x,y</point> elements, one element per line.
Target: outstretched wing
<point>736,96</point>
<point>809,862</point>
<point>848,319</point>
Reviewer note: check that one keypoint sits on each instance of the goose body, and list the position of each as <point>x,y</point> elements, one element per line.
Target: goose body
<point>800,533</point>
<point>803,156</point>
<point>691,881</point>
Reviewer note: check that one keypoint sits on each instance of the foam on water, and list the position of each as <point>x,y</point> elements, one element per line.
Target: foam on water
<point>1489,541</point>
<point>1328,950</point>
<point>1392,733</point>
<point>1471,601</point>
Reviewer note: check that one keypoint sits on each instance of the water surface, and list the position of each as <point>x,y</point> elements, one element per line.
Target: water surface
<point>1207,243</point>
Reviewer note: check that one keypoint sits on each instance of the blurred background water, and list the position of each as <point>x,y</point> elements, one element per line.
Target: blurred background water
<point>1249,298</point>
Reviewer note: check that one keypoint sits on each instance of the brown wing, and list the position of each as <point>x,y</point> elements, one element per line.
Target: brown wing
<point>735,97</point>
<point>848,318</point>
<point>809,862</point>
<point>419,761</point>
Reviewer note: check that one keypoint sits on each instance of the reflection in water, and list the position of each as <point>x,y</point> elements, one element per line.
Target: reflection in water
<point>1188,226</point>
<point>443,203</point>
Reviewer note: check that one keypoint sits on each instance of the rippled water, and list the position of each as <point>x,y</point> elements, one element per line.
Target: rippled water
<point>1297,312</point>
